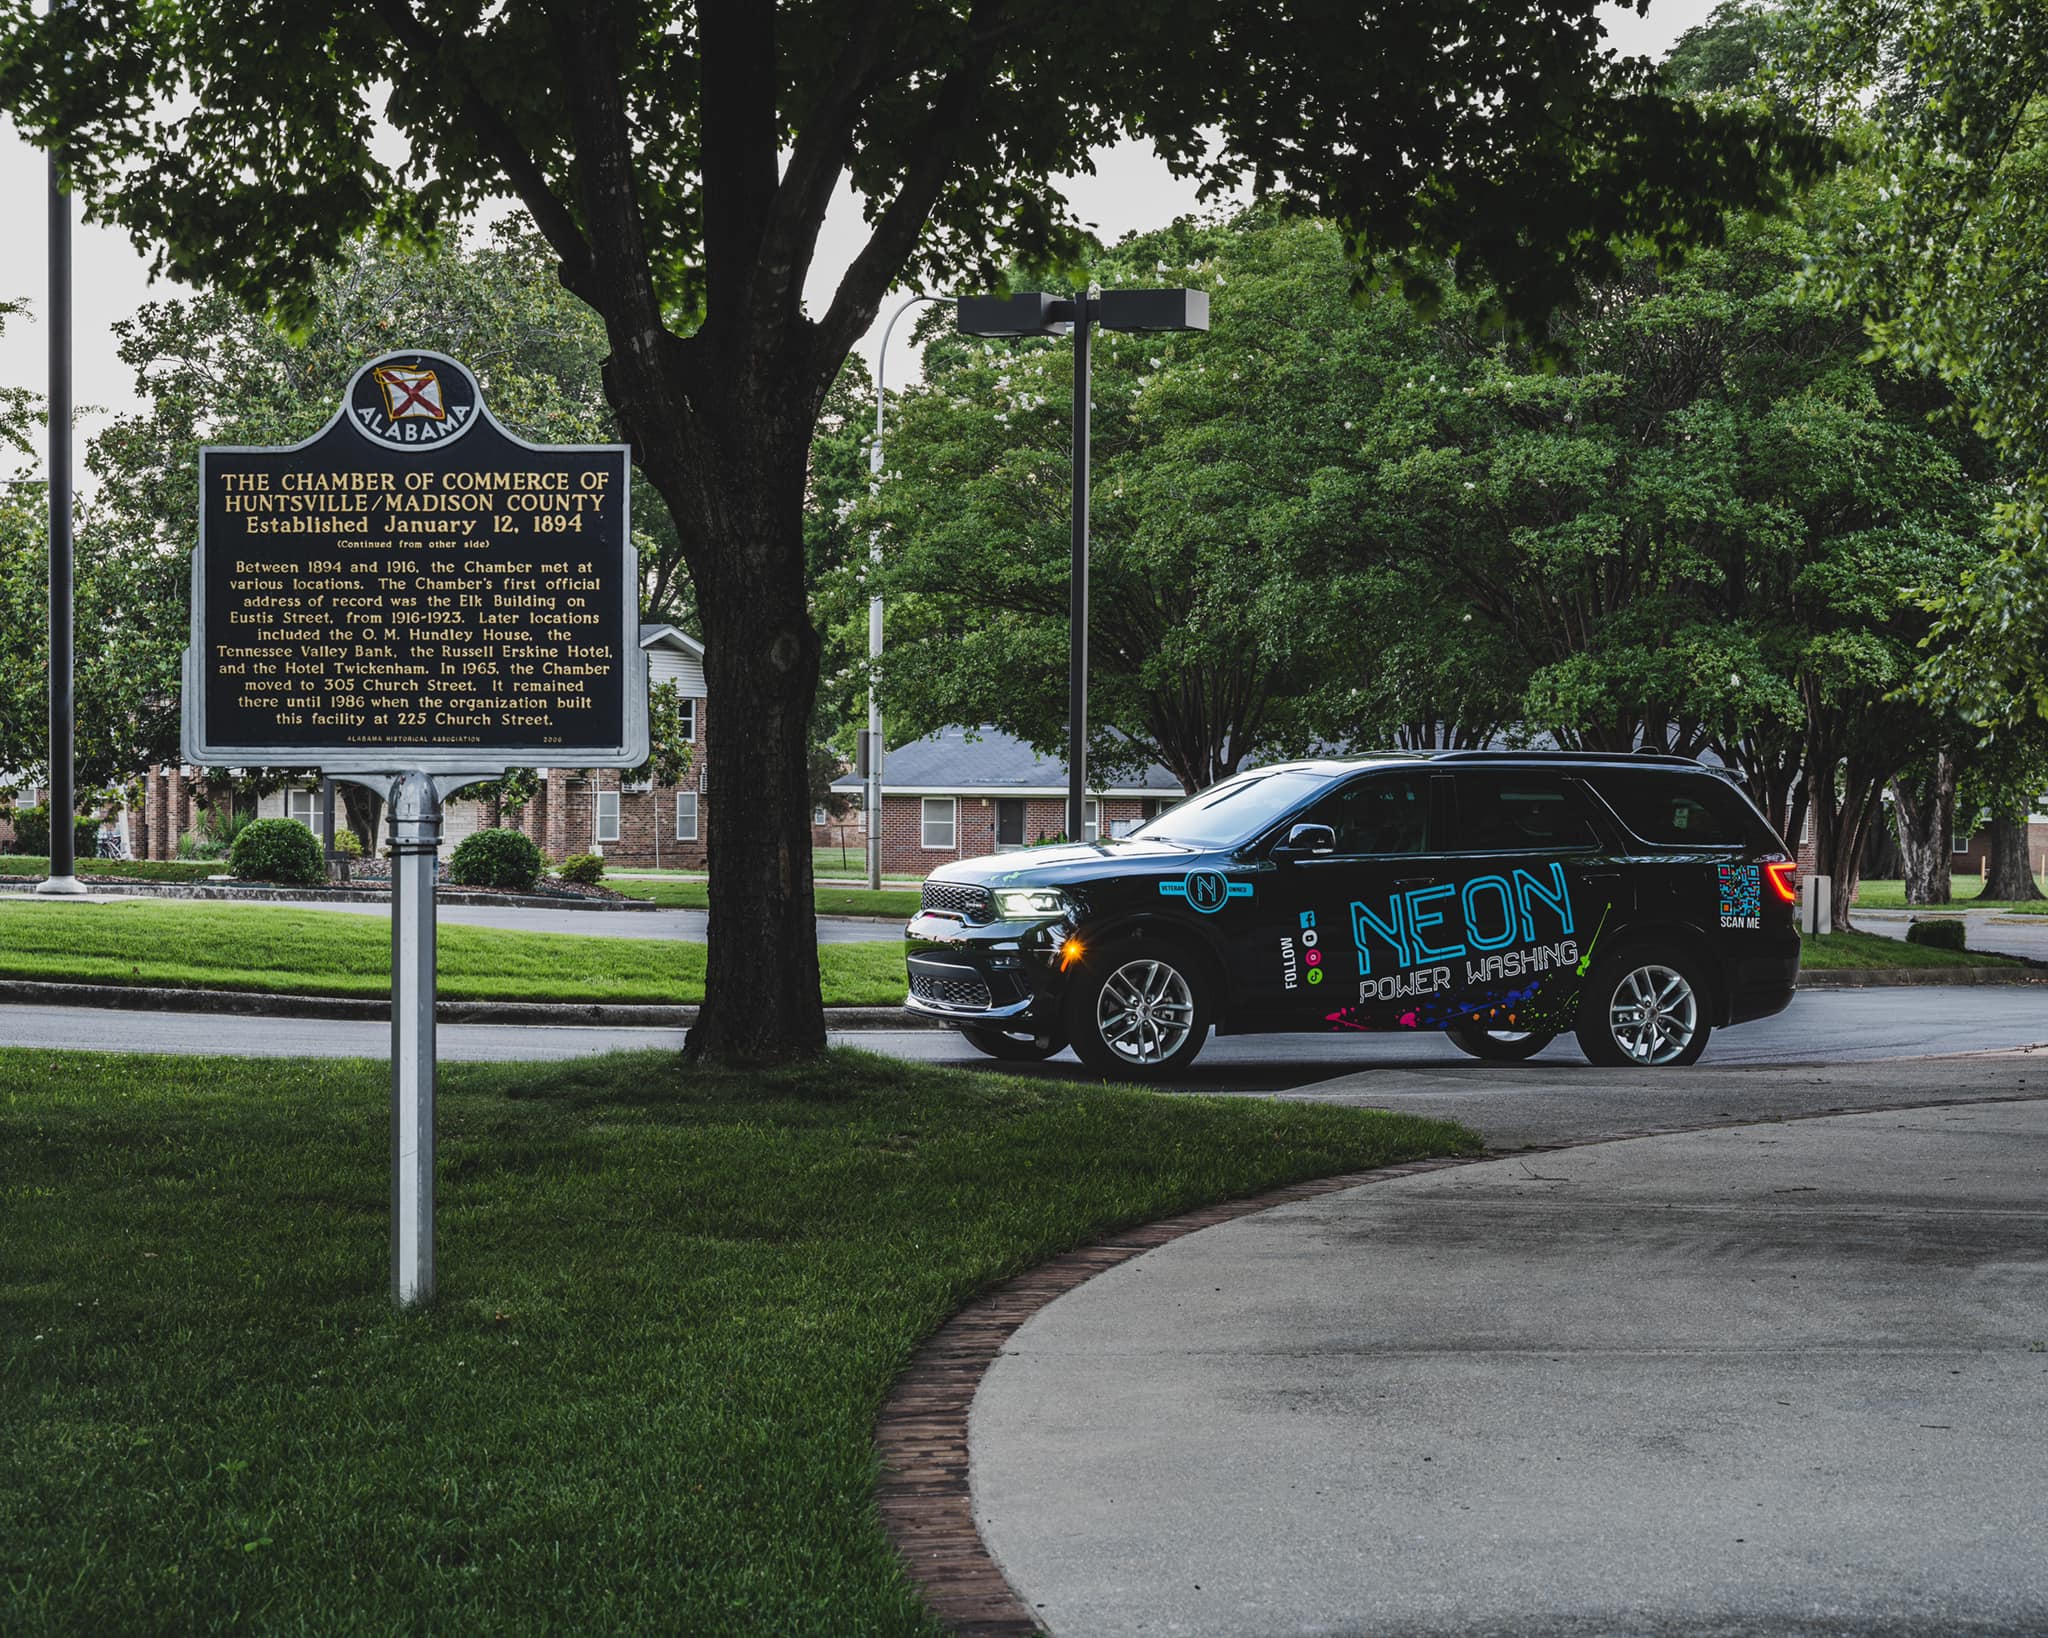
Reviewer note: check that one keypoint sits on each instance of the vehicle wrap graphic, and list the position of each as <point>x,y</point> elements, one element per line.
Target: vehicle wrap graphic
<point>1742,895</point>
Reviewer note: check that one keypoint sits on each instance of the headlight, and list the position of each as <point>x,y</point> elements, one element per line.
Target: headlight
<point>1030,903</point>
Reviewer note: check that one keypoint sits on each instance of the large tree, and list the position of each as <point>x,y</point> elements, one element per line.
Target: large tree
<point>679,159</point>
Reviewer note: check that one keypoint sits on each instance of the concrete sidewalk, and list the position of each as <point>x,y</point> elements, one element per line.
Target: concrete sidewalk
<point>1784,1378</point>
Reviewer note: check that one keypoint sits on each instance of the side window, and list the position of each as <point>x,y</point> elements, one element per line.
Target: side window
<point>1513,812</point>
<point>1376,814</point>
<point>1680,810</point>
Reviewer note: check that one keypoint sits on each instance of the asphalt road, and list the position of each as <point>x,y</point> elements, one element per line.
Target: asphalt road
<point>1784,1378</point>
<point>1811,1058</point>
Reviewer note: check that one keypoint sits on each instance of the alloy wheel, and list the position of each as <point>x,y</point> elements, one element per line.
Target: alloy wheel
<point>1653,1015</point>
<point>1145,1012</point>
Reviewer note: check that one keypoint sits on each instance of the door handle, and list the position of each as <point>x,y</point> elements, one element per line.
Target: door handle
<point>1406,882</point>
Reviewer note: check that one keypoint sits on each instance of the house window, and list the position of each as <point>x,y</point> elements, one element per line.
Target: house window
<point>686,713</point>
<point>607,816</point>
<point>1091,819</point>
<point>941,822</point>
<point>304,806</point>
<point>820,817</point>
<point>686,816</point>
<point>1961,844</point>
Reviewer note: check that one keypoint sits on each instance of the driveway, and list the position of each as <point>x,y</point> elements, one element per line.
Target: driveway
<point>1781,1378</point>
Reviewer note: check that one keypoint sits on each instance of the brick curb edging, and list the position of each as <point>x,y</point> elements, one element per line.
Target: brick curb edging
<point>923,1496</point>
<point>921,1435</point>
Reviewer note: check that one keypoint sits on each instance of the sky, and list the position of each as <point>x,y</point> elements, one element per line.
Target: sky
<point>1131,191</point>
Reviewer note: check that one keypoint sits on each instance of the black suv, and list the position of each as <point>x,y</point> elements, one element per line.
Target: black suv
<point>1501,898</point>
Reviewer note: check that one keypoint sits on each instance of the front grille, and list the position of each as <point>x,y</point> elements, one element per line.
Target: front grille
<point>950,992</point>
<point>961,898</point>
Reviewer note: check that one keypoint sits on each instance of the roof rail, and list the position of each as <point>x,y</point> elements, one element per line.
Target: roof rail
<point>1664,757</point>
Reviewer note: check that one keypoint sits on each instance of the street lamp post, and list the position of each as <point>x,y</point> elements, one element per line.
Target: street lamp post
<point>871,760</point>
<point>1040,314</point>
<point>63,875</point>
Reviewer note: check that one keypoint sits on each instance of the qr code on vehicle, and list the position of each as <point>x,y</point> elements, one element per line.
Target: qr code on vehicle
<point>1741,892</point>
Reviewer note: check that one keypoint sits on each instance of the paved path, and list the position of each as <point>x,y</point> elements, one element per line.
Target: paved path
<point>1999,931</point>
<point>1773,1379</point>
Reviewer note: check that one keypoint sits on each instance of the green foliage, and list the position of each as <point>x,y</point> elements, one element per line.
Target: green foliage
<point>1941,934</point>
<point>1948,255</point>
<point>347,843</point>
<point>585,868</point>
<point>32,833</point>
<point>277,850</point>
<point>495,858</point>
<point>198,845</point>
<point>669,749</point>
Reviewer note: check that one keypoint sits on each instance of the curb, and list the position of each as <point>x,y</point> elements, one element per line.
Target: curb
<point>101,886</point>
<point>375,1009</point>
<point>1865,978</point>
<point>924,1494</point>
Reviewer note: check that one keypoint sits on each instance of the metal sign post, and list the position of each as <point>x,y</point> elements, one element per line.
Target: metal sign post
<point>414,599</point>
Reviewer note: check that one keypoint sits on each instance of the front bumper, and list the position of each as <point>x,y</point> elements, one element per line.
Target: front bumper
<point>971,973</point>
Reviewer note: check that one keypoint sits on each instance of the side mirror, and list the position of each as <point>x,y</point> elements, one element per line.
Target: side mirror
<point>1307,842</point>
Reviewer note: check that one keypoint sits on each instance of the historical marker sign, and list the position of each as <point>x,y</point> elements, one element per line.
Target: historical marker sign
<point>415,588</point>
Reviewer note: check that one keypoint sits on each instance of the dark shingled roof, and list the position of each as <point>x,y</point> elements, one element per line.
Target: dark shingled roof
<point>991,761</point>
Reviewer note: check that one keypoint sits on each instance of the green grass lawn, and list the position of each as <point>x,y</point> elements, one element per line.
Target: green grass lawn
<point>1874,950</point>
<point>321,952</point>
<point>147,870</point>
<point>1891,895</point>
<point>831,901</point>
<point>671,1303</point>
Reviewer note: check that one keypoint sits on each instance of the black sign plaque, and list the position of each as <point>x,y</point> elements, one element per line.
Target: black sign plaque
<point>415,588</point>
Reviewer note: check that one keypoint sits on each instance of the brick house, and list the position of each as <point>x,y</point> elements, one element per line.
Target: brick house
<point>963,793</point>
<point>577,810</point>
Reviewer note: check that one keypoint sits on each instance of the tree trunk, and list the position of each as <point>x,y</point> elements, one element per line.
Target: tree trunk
<point>761,987</point>
<point>1925,802</point>
<point>2008,872</point>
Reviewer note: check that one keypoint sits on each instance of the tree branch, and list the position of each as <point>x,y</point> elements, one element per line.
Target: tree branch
<point>522,171</point>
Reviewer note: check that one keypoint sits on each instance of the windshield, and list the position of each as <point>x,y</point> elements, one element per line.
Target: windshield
<point>1227,814</point>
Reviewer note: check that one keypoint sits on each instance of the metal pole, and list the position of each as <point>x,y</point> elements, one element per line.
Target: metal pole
<point>415,863</point>
<point>1077,585</point>
<point>63,877</point>
<point>872,797</point>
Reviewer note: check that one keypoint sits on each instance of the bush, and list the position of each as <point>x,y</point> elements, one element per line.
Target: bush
<point>1945,934</point>
<point>192,845</point>
<point>347,842</point>
<point>32,833</point>
<point>495,858</point>
<point>587,868</point>
<point>277,850</point>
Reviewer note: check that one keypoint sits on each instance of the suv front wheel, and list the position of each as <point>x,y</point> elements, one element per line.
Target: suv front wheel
<point>1138,1011</point>
<point>1644,1007</point>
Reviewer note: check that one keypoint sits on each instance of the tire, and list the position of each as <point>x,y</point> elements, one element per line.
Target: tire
<point>1140,1012</point>
<point>1501,1046</point>
<point>1612,1029</point>
<point>1018,1048</point>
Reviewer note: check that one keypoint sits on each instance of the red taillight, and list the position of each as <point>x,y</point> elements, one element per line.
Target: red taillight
<point>1784,877</point>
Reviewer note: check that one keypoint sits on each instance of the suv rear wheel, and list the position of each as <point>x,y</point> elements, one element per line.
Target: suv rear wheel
<point>1499,1045</point>
<point>1138,1011</point>
<point>1644,1007</point>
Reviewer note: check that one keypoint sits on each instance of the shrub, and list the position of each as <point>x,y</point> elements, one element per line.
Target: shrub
<point>192,845</point>
<point>587,868</point>
<point>347,842</point>
<point>495,858</point>
<point>1945,934</point>
<point>32,833</point>
<point>277,850</point>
